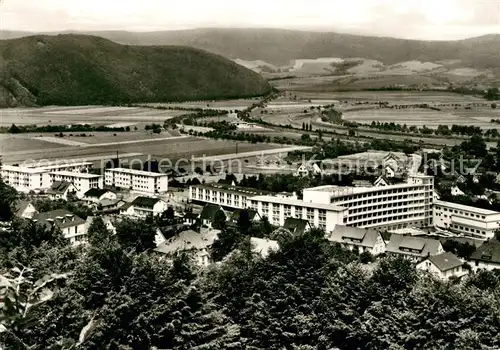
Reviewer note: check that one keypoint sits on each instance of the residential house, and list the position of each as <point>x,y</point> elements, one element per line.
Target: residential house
<point>197,243</point>
<point>109,205</point>
<point>263,246</point>
<point>191,218</point>
<point>61,190</point>
<point>306,169</point>
<point>73,227</point>
<point>24,209</point>
<point>487,256</point>
<point>361,240</point>
<point>144,206</point>
<point>382,181</point>
<point>253,215</point>
<point>97,195</point>
<point>443,266</point>
<point>413,248</point>
<point>208,214</point>
<point>110,225</point>
<point>297,226</point>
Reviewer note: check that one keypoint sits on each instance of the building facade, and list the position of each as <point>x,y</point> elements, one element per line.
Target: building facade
<point>232,197</point>
<point>277,209</point>
<point>37,177</point>
<point>470,221</point>
<point>136,180</point>
<point>387,207</point>
<point>82,181</point>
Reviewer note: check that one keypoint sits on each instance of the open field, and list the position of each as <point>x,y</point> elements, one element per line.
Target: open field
<point>224,105</point>
<point>393,97</point>
<point>84,115</point>
<point>419,117</point>
<point>18,143</point>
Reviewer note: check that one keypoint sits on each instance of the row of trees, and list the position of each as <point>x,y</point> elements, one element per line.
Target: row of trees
<point>15,129</point>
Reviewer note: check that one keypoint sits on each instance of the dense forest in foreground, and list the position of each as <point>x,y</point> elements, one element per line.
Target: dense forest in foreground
<point>116,294</point>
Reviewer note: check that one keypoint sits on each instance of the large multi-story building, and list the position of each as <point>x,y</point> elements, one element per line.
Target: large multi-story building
<point>33,177</point>
<point>278,208</point>
<point>470,221</point>
<point>82,181</point>
<point>136,180</point>
<point>385,207</point>
<point>232,197</point>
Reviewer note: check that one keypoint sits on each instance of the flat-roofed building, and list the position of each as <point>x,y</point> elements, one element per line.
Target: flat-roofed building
<point>26,179</point>
<point>277,209</point>
<point>232,197</point>
<point>82,181</point>
<point>386,207</point>
<point>469,221</point>
<point>136,180</point>
<point>36,176</point>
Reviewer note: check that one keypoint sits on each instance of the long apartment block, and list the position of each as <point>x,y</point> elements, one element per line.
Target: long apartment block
<point>136,180</point>
<point>39,177</point>
<point>408,204</point>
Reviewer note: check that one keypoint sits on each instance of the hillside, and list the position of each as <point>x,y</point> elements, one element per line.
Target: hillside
<point>79,69</point>
<point>279,46</point>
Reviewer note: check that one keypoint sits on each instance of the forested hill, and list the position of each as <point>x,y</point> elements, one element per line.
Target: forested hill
<point>80,69</point>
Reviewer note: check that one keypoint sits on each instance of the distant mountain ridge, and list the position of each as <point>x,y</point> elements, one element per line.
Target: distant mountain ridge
<point>79,69</point>
<point>280,46</point>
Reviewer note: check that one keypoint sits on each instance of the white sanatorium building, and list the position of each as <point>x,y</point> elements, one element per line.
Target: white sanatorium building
<point>35,178</point>
<point>470,221</point>
<point>82,181</point>
<point>383,207</point>
<point>136,180</point>
<point>388,207</point>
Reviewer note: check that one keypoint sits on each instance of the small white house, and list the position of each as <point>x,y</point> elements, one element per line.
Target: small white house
<point>443,266</point>
<point>25,209</point>
<point>73,227</point>
<point>487,256</point>
<point>306,169</point>
<point>144,206</point>
<point>61,190</point>
<point>190,241</point>
<point>358,239</point>
<point>97,195</point>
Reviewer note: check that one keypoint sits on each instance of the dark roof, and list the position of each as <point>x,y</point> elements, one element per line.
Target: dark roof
<point>296,226</point>
<point>416,246</point>
<point>385,179</point>
<point>209,211</point>
<point>96,192</point>
<point>59,187</point>
<point>145,202</point>
<point>354,235</point>
<point>190,215</point>
<point>61,217</point>
<point>445,261</point>
<point>488,252</point>
<point>226,182</point>
<point>125,206</point>
<point>235,216</point>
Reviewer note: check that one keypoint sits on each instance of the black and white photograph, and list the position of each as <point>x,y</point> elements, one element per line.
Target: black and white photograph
<point>249,175</point>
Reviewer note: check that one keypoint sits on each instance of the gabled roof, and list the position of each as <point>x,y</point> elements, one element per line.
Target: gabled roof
<point>416,246</point>
<point>355,236</point>
<point>145,202</point>
<point>21,206</point>
<point>96,192</point>
<point>209,211</point>
<point>59,187</point>
<point>296,226</point>
<point>488,252</point>
<point>61,218</point>
<point>188,240</point>
<point>381,180</point>
<point>235,216</point>
<point>446,261</point>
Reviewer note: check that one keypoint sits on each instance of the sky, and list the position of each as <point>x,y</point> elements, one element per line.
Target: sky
<point>413,19</point>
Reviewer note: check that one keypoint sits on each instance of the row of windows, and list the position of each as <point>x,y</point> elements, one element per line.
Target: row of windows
<point>382,193</point>
<point>382,220</point>
<point>465,213</point>
<point>467,229</point>
<point>389,205</point>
